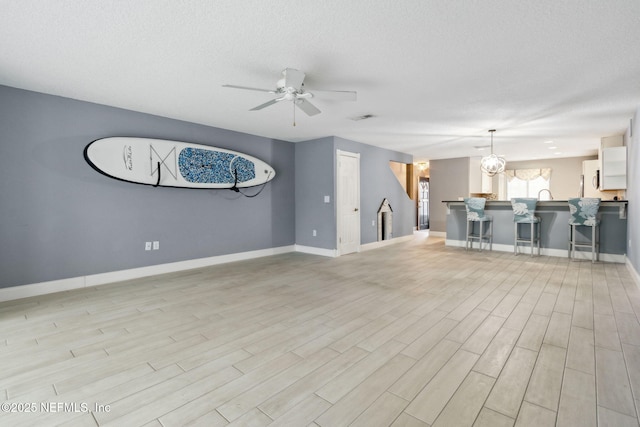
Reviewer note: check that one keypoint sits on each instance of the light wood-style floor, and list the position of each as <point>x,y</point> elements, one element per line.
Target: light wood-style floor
<point>414,334</point>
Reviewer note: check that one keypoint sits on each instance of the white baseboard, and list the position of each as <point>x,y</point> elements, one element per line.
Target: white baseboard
<point>332,253</point>
<point>633,272</point>
<point>53,286</point>
<point>581,255</point>
<point>383,243</point>
<point>366,247</point>
<point>43,288</point>
<point>35,289</point>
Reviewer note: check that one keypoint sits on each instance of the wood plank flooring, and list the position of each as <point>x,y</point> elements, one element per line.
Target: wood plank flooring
<point>413,334</point>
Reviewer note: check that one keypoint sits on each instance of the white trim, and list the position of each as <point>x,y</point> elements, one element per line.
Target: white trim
<point>633,272</point>
<point>53,286</point>
<point>43,288</point>
<point>563,253</point>
<point>383,243</point>
<point>317,251</point>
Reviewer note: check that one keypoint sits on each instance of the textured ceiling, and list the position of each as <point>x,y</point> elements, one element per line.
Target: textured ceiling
<point>435,74</point>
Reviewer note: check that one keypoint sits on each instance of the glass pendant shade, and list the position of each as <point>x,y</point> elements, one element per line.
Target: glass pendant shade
<point>492,164</point>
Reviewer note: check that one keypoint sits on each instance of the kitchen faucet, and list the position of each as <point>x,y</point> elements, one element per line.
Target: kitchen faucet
<point>548,191</point>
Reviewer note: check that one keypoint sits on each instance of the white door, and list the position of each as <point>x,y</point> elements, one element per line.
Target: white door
<point>348,202</point>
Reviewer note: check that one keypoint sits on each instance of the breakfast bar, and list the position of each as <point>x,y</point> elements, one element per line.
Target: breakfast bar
<point>554,233</point>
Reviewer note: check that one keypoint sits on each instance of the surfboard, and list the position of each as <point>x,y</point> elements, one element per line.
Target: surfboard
<point>160,162</point>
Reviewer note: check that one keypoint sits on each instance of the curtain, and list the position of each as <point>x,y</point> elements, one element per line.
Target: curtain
<point>528,174</point>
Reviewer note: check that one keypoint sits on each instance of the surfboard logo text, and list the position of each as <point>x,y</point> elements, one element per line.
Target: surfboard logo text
<point>127,156</point>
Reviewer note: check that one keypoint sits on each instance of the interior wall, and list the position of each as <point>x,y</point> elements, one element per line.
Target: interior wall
<point>475,175</point>
<point>314,177</point>
<point>62,219</point>
<point>633,193</point>
<point>400,172</point>
<point>448,180</point>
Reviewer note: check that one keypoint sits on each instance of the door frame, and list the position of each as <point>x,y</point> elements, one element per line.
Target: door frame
<point>420,199</point>
<point>339,207</point>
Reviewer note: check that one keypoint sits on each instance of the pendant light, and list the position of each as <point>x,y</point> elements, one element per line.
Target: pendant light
<point>492,164</point>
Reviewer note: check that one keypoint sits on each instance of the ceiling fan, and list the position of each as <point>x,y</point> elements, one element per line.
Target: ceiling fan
<point>291,88</point>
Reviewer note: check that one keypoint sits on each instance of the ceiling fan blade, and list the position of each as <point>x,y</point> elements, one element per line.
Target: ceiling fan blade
<point>266,104</point>
<point>293,78</point>
<point>340,95</point>
<point>249,88</point>
<point>308,108</point>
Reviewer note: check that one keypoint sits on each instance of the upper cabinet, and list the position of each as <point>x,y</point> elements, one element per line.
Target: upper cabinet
<point>614,168</point>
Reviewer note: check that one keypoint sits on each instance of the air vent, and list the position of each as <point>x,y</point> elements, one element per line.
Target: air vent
<point>364,117</point>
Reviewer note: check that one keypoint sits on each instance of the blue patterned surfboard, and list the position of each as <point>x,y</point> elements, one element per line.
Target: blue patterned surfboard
<point>175,164</point>
<point>207,166</point>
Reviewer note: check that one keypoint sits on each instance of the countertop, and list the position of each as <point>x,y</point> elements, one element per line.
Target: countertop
<point>621,204</point>
<point>542,202</point>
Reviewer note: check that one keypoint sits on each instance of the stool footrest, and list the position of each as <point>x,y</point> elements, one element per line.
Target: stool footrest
<point>485,233</point>
<point>534,238</point>
<point>594,244</point>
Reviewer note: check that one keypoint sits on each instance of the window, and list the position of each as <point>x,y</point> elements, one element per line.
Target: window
<point>528,182</point>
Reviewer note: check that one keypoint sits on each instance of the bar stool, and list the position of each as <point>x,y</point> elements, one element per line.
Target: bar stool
<point>583,212</point>
<point>523,213</point>
<point>475,213</point>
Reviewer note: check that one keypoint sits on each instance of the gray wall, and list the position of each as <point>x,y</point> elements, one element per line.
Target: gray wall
<point>62,219</point>
<point>448,180</point>
<point>633,193</point>
<point>315,178</point>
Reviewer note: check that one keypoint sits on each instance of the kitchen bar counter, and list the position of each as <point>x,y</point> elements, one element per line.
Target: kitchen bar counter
<point>555,227</point>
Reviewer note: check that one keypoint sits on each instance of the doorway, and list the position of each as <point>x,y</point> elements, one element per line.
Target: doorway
<point>348,202</point>
<point>423,203</point>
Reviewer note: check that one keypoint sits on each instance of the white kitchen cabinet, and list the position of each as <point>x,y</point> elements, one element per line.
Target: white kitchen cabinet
<point>613,175</point>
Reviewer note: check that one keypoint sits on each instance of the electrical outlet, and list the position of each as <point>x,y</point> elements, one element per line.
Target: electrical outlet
<point>315,233</point>
<point>147,246</point>
<point>156,245</point>
<point>327,199</point>
<point>373,223</point>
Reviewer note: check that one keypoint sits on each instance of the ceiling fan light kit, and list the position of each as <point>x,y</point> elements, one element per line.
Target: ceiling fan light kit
<point>492,164</point>
<point>290,88</point>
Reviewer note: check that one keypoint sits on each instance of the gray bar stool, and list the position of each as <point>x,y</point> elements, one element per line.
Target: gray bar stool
<point>475,214</point>
<point>524,213</point>
<point>583,213</point>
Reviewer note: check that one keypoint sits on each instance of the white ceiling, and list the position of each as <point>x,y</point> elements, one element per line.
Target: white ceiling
<point>436,74</point>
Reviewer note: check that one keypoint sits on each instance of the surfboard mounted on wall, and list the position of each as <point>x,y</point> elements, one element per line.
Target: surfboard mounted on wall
<point>165,163</point>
